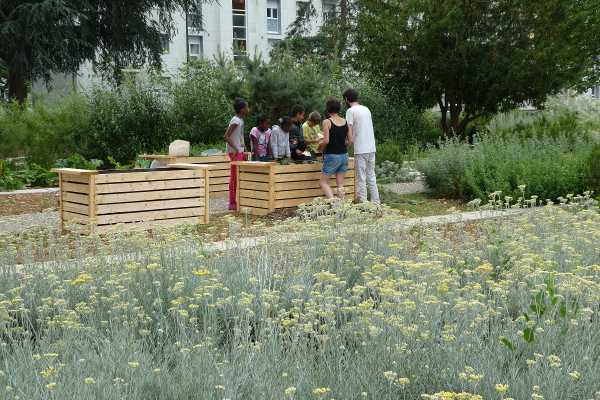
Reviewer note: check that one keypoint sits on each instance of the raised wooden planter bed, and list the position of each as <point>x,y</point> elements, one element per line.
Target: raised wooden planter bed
<point>266,186</point>
<point>166,195</point>
<point>219,173</point>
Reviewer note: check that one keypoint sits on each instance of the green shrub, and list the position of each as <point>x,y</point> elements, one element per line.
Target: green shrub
<point>51,128</point>
<point>549,167</point>
<point>592,169</point>
<point>389,151</point>
<point>79,162</point>
<point>201,111</point>
<point>390,172</point>
<point>11,130</point>
<point>132,119</point>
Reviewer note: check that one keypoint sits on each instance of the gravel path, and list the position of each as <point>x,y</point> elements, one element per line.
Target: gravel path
<point>218,205</point>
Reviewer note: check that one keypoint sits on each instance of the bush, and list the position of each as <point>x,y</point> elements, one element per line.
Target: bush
<point>390,172</point>
<point>592,169</point>
<point>11,130</point>
<point>52,126</point>
<point>549,167</point>
<point>134,118</point>
<point>200,110</point>
<point>389,151</point>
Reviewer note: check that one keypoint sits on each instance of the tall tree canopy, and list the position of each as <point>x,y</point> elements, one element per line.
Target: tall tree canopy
<point>38,37</point>
<point>475,57</point>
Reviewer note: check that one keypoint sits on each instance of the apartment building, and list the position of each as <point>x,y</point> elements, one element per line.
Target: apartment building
<point>253,25</point>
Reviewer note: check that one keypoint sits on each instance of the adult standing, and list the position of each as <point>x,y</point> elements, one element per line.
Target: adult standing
<point>359,119</point>
<point>337,138</point>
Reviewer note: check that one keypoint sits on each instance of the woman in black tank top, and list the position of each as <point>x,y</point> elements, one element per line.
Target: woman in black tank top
<point>338,138</point>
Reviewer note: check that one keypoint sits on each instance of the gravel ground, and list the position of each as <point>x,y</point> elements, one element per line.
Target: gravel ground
<point>217,205</point>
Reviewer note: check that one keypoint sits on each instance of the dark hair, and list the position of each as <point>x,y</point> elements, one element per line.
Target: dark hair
<point>315,117</point>
<point>297,109</point>
<point>262,117</point>
<point>285,121</point>
<point>333,105</point>
<point>239,104</point>
<point>351,95</point>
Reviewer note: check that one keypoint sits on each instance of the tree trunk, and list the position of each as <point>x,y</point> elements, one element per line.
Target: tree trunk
<point>17,88</point>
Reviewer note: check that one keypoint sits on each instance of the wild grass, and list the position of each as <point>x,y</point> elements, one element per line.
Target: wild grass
<point>343,302</point>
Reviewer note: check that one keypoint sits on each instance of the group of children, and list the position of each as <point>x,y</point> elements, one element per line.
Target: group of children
<point>295,140</point>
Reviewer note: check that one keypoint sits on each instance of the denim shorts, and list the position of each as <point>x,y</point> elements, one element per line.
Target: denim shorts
<point>335,164</point>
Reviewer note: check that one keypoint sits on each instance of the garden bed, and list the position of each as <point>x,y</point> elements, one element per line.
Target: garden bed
<point>133,197</point>
<point>219,172</point>
<point>264,187</point>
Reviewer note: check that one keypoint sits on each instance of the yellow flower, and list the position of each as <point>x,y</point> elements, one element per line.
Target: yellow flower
<point>574,374</point>
<point>51,385</point>
<point>89,381</point>
<point>321,390</point>
<point>133,364</point>
<point>219,387</point>
<point>289,390</point>
<point>501,388</point>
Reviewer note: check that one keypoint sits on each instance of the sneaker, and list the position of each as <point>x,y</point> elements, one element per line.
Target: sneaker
<point>233,206</point>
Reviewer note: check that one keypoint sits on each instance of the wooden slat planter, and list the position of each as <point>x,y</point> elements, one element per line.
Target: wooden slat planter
<point>219,173</point>
<point>266,186</point>
<point>166,195</point>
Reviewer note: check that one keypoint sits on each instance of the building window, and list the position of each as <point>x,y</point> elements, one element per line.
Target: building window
<point>272,20</point>
<point>195,46</point>
<point>328,13</point>
<point>239,28</point>
<point>166,44</point>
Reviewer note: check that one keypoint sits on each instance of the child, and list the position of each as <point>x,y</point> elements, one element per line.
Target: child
<point>260,139</point>
<point>235,145</point>
<point>297,144</point>
<point>312,132</point>
<point>338,138</point>
<point>280,139</point>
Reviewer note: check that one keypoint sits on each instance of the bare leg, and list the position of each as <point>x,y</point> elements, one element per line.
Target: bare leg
<point>339,180</point>
<point>324,183</point>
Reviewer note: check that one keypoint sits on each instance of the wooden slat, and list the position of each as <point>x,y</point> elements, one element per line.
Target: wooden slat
<point>76,208</point>
<point>299,176</point>
<point>75,178</point>
<point>101,229</point>
<point>74,171</point>
<point>218,180</point>
<point>147,196</point>
<point>149,205</point>
<point>75,187</point>
<point>254,194</point>
<point>246,202</point>
<point>254,185</point>
<point>287,169</point>
<point>68,216</point>
<point>254,166</point>
<point>74,198</point>
<point>189,166</point>
<point>251,176</point>
<point>290,194</point>
<point>142,216</point>
<point>151,185</point>
<point>147,176</point>
<point>259,211</point>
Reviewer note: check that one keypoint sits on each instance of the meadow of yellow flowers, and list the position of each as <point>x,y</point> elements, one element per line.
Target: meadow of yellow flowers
<point>340,303</point>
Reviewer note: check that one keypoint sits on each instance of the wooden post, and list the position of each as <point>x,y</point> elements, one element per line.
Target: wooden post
<point>272,187</point>
<point>92,202</point>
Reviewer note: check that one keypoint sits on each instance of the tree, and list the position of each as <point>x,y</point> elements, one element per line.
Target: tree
<point>475,57</point>
<point>39,37</point>
<point>273,87</point>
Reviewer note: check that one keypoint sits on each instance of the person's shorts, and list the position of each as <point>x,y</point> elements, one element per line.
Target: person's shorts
<point>335,164</point>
